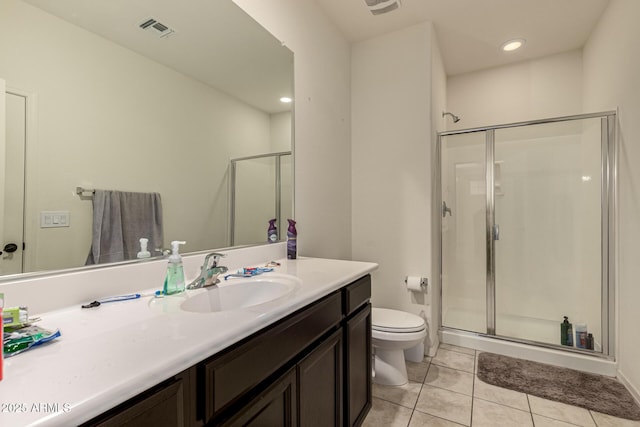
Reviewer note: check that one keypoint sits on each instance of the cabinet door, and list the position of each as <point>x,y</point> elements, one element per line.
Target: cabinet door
<point>163,407</point>
<point>320,384</point>
<point>276,406</point>
<point>358,366</point>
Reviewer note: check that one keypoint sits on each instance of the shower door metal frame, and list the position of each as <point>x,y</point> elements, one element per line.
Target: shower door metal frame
<point>608,182</point>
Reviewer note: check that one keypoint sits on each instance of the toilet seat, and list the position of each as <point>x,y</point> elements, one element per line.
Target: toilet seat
<point>394,321</point>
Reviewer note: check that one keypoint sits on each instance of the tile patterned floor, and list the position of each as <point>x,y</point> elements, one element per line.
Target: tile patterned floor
<point>445,392</point>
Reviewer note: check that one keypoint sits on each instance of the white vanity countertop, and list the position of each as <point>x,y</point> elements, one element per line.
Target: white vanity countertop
<point>111,353</point>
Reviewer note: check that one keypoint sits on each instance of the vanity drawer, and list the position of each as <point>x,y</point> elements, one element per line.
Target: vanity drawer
<point>230,376</point>
<point>356,294</point>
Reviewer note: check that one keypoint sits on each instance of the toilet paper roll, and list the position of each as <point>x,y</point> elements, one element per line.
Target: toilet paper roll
<point>414,283</point>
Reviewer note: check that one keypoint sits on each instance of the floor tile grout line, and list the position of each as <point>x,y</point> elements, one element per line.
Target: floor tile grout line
<point>473,390</point>
<point>439,417</point>
<point>449,367</point>
<point>415,405</point>
<point>533,421</point>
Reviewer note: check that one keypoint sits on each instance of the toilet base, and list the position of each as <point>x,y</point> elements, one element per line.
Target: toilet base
<point>390,367</point>
<point>415,354</point>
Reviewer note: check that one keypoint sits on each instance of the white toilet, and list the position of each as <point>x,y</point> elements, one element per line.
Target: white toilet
<point>393,332</point>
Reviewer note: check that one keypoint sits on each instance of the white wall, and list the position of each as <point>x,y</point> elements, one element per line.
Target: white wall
<point>100,109</point>
<point>536,89</point>
<point>281,131</point>
<point>391,161</point>
<point>611,70</point>
<point>322,122</point>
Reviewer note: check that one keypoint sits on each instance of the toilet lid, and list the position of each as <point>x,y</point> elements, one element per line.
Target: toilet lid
<point>387,320</point>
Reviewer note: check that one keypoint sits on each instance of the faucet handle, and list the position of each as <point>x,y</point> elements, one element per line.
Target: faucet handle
<point>214,257</point>
<point>163,251</point>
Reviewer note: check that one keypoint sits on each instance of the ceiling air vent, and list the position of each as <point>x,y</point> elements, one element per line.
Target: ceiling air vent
<point>378,7</point>
<point>156,27</point>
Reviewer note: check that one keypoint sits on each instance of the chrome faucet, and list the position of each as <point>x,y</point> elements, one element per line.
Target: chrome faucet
<point>209,271</point>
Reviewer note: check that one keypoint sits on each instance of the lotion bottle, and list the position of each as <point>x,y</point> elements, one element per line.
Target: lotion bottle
<point>174,282</point>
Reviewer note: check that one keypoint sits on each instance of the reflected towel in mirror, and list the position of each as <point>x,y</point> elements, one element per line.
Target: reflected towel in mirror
<point>120,219</point>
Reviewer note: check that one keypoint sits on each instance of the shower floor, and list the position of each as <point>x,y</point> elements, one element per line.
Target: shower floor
<point>507,325</point>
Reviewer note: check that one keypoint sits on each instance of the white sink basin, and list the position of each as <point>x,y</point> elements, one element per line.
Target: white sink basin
<point>240,293</point>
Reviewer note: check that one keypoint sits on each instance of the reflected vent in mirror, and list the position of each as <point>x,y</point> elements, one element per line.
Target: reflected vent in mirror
<point>158,28</point>
<point>378,7</point>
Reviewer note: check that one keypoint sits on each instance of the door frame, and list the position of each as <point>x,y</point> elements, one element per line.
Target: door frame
<point>30,220</point>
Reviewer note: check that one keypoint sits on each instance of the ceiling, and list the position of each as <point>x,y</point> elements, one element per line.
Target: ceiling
<point>214,42</point>
<point>470,32</point>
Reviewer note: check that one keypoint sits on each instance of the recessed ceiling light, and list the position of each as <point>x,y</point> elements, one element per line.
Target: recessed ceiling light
<point>285,99</point>
<point>512,45</point>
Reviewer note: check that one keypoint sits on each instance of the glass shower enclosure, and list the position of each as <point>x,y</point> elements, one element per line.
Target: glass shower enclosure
<point>261,188</point>
<point>527,230</point>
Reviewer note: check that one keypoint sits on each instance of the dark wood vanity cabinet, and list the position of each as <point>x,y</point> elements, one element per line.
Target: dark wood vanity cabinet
<point>169,404</point>
<point>312,368</point>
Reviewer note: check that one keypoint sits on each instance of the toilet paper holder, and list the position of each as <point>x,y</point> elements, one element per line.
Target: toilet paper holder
<point>423,281</point>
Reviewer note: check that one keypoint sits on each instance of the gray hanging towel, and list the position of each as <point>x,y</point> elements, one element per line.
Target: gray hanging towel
<point>120,219</point>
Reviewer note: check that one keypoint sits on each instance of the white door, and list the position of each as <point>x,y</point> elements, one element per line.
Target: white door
<point>12,166</point>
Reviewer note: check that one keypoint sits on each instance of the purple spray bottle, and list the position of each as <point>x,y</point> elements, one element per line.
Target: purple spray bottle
<point>272,232</point>
<point>292,235</point>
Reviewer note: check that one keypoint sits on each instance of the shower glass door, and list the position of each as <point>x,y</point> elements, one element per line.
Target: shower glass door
<point>463,236</point>
<point>547,209</point>
<point>526,216</point>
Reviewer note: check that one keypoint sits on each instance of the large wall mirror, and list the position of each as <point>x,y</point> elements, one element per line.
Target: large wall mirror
<point>139,96</point>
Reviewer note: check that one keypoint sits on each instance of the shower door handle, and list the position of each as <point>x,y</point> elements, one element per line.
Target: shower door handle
<point>496,232</point>
<point>445,210</point>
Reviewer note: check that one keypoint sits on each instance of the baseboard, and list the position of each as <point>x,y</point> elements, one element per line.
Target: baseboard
<point>571,360</point>
<point>632,389</point>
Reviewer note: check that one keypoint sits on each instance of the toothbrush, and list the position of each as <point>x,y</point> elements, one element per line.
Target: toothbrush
<point>111,299</point>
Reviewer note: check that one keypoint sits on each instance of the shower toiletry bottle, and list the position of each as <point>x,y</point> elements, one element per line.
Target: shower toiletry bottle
<point>144,252</point>
<point>174,282</point>
<point>292,237</point>
<point>589,341</point>
<point>564,331</point>
<point>581,335</point>
<point>272,232</point>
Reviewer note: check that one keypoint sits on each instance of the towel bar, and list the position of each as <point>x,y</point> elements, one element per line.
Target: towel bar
<point>80,191</point>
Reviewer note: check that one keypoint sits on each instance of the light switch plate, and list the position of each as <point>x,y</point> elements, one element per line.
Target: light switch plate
<point>55,219</point>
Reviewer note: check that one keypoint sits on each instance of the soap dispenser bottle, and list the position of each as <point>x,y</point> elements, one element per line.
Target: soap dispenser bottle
<point>272,232</point>
<point>144,252</point>
<point>174,282</point>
